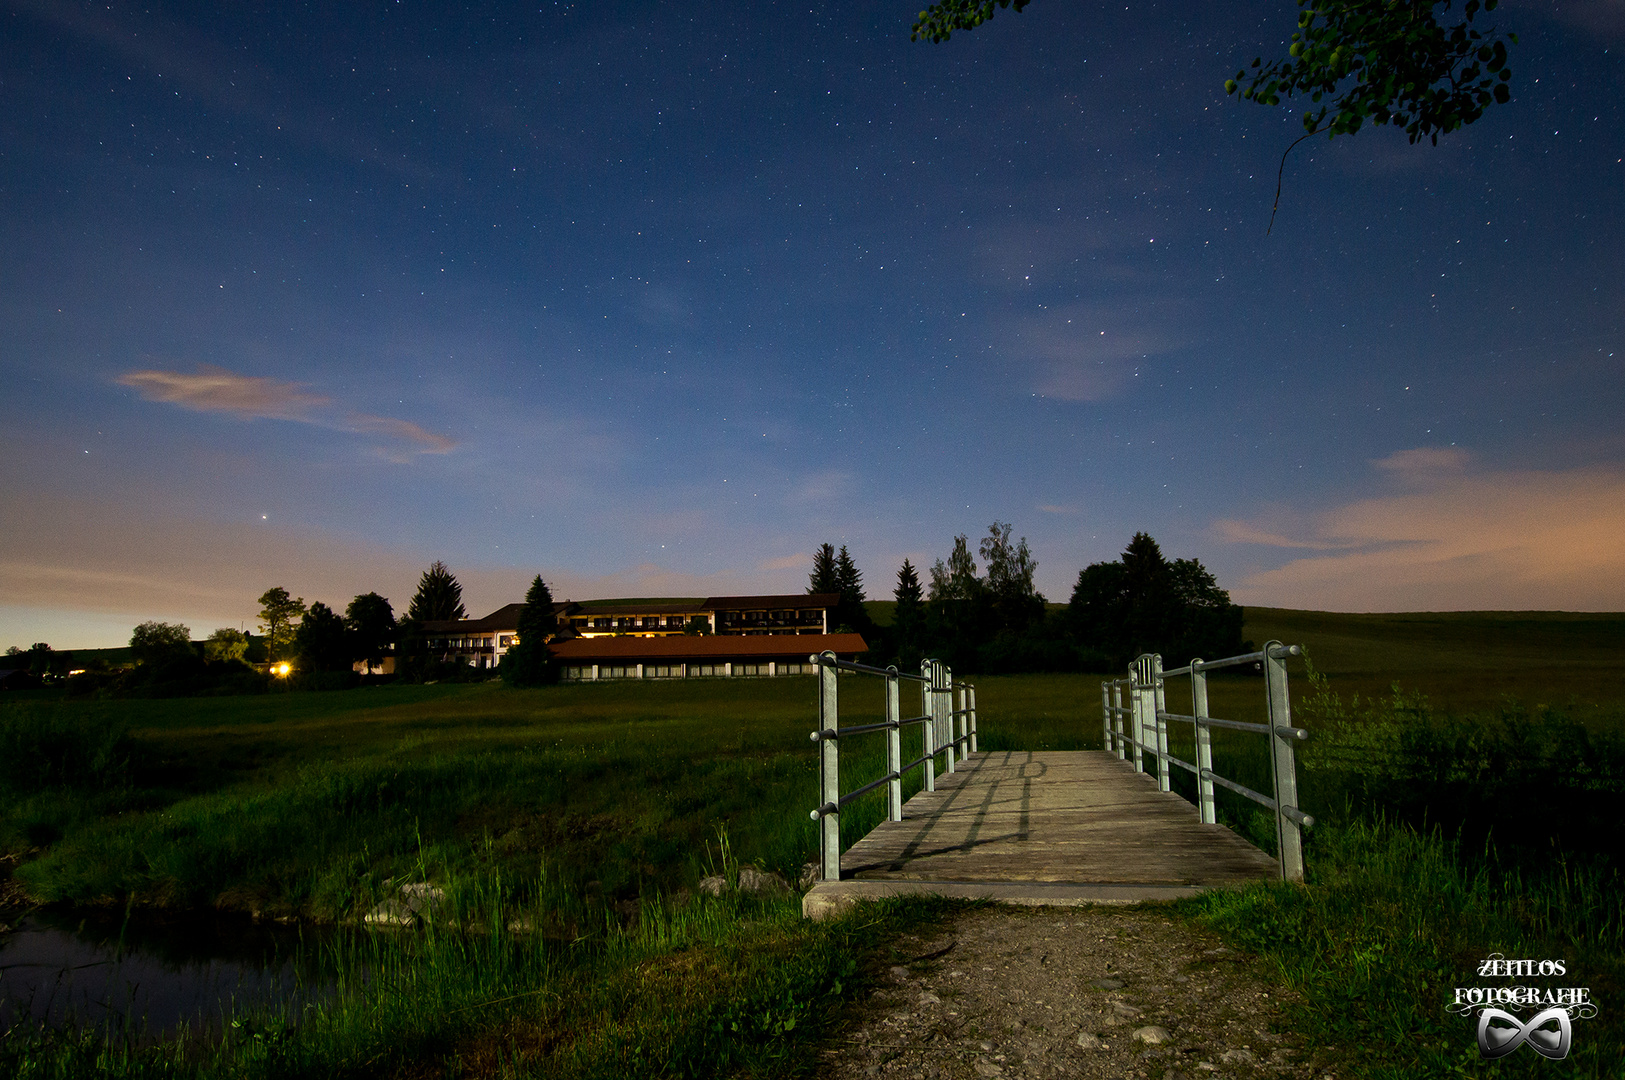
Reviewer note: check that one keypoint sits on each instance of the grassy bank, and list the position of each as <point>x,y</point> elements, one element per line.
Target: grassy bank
<point>716,987</point>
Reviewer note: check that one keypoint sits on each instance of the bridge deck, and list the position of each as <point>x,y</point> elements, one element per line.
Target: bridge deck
<point>1048,827</point>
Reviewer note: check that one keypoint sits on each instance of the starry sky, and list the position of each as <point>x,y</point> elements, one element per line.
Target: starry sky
<point>653,298</point>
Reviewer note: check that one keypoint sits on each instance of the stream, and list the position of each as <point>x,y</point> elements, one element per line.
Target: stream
<point>148,974</point>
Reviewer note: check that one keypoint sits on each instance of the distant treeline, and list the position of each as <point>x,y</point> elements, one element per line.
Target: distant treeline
<point>996,622</point>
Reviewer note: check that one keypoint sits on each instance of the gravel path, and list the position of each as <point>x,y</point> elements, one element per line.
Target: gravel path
<point>1092,992</point>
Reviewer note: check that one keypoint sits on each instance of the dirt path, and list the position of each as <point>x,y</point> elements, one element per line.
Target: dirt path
<point>1091,992</point>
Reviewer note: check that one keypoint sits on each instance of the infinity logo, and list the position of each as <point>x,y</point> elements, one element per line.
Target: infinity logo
<point>1498,1042</point>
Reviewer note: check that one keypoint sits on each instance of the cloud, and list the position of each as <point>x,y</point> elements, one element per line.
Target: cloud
<point>212,389</point>
<point>1086,352</point>
<point>1051,508</point>
<point>255,397</point>
<point>426,441</point>
<point>1455,540</point>
<point>788,562</point>
<point>1425,460</point>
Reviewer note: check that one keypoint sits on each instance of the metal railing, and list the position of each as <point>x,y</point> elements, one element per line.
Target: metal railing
<point>944,730</point>
<point>1148,718</point>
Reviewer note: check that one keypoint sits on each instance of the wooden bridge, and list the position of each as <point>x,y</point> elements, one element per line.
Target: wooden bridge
<point>1054,827</point>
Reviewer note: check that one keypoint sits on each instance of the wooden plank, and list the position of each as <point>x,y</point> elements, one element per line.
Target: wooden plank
<point>1053,816</point>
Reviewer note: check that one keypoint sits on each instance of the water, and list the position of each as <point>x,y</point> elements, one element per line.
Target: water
<point>149,974</point>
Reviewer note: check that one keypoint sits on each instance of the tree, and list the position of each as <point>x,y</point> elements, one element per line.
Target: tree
<point>1010,568</point>
<point>956,579</point>
<point>153,643</point>
<point>278,610</point>
<point>370,622</point>
<point>530,662</point>
<point>908,618</point>
<point>823,578</point>
<point>439,597</point>
<point>321,640</point>
<point>226,643</point>
<point>1144,603</point>
<point>850,612</point>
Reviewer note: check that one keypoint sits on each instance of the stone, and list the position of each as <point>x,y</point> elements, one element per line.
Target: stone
<point>1242,1056</point>
<point>1088,1041</point>
<point>1108,984</point>
<point>987,1068</point>
<point>1152,1035</point>
<point>759,882</point>
<point>715,885</point>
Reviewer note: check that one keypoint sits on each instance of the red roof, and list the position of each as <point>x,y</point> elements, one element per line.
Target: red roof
<point>706,648</point>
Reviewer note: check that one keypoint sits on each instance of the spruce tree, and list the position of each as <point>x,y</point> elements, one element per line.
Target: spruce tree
<point>823,578</point>
<point>439,597</point>
<point>530,662</point>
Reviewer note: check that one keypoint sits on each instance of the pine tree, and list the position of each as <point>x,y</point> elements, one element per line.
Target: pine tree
<point>530,661</point>
<point>908,615</point>
<point>823,578</point>
<point>439,597</point>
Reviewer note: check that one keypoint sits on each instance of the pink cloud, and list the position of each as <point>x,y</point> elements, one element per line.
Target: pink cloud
<point>1514,540</point>
<point>255,397</point>
<point>212,389</point>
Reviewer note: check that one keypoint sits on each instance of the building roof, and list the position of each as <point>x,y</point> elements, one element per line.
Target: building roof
<point>503,618</point>
<point>764,603</point>
<point>679,606</point>
<point>705,648</point>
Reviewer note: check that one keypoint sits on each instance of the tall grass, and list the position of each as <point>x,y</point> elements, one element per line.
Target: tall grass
<point>714,986</point>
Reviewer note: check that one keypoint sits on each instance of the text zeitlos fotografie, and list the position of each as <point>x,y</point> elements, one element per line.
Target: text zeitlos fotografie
<point>1500,1032</point>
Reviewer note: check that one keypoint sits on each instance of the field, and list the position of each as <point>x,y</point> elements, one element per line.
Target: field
<point>588,814</point>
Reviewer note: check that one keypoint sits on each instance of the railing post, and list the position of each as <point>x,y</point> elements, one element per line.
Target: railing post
<point>829,769</point>
<point>973,719</point>
<point>1159,705</point>
<point>1117,719</point>
<point>1204,744</point>
<point>1283,762</point>
<point>1137,703</point>
<point>894,748</point>
<point>928,709</point>
<point>961,722</point>
<point>945,717</point>
<point>1105,716</point>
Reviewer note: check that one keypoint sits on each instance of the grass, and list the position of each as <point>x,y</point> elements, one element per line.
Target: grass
<point>726,986</point>
<point>589,813</point>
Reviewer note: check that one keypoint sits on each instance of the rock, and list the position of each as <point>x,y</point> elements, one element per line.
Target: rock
<point>759,882</point>
<point>1087,1041</point>
<point>1108,984</point>
<point>810,874</point>
<point>898,972</point>
<point>422,897</point>
<point>928,998</point>
<point>1152,1035</point>
<point>987,1068</point>
<point>392,912</point>
<point>715,885</point>
<point>1237,1057</point>
<point>415,900</point>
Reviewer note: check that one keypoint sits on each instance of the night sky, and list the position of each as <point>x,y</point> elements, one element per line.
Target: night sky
<point>652,299</point>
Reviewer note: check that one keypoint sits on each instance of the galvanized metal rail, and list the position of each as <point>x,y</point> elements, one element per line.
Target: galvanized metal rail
<point>945,730</point>
<point>1148,717</point>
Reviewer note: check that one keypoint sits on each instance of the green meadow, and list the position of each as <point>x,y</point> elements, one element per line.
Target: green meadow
<point>571,826</point>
